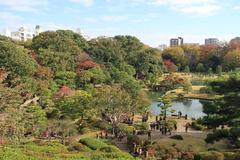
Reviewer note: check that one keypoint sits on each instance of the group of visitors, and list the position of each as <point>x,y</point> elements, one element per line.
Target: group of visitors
<point>160,124</point>
<point>128,120</point>
<point>105,135</point>
<point>180,115</point>
<point>139,150</point>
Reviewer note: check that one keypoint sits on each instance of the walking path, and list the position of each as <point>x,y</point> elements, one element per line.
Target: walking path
<point>156,134</point>
<point>122,145</point>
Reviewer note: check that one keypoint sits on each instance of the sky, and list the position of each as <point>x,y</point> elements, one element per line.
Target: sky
<point>153,21</point>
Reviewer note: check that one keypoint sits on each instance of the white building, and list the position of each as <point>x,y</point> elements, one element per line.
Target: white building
<point>82,33</point>
<point>162,47</point>
<point>23,34</point>
<point>6,33</point>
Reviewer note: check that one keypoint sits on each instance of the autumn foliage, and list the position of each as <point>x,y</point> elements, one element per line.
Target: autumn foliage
<point>87,64</point>
<point>64,91</point>
<point>171,67</point>
<point>3,75</point>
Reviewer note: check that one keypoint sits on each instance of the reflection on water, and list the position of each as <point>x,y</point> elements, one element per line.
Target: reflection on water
<point>192,107</point>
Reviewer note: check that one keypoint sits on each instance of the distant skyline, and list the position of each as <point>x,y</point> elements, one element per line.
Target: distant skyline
<point>153,21</point>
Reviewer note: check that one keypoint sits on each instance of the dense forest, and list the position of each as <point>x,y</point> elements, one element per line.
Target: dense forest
<point>204,58</point>
<point>60,83</point>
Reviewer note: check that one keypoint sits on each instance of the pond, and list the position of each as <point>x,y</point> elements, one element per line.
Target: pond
<point>192,107</point>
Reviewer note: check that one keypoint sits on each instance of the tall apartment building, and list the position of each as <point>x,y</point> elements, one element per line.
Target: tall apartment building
<point>174,42</point>
<point>211,41</point>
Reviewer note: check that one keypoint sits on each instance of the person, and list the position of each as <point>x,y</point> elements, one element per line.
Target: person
<point>140,151</point>
<point>185,116</point>
<point>156,118</point>
<point>134,147</point>
<point>132,120</point>
<point>165,130</point>
<point>186,127</point>
<point>222,126</point>
<point>179,114</point>
<point>149,135</point>
<point>106,135</point>
<point>175,127</point>
<point>134,131</point>
<point>101,134</point>
<point>169,130</point>
<point>157,126</point>
<point>152,126</point>
<point>146,154</point>
<point>118,137</point>
<point>164,118</point>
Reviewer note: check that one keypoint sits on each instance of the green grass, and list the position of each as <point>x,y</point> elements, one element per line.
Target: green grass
<point>195,144</point>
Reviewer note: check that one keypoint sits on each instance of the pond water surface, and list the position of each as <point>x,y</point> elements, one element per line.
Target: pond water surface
<point>192,107</point>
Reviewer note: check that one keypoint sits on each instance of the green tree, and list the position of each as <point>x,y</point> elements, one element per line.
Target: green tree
<point>106,50</point>
<point>219,70</point>
<point>192,55</point>
<point>36,118</point>
<point>165,104</point>
<point>210,71</point>
<point>176,55</point>
<point>114,102</point>
<point>224,111</point>
<point>187,69</point>
<point>93,76</point>
<point>76,107</point>
<point>232,60</point>
<point>16,60</point>
<point>59,41</point>
<point>66,78</point>
<point>200,67</point>
<point>58,61</point>
<point>65,128</point>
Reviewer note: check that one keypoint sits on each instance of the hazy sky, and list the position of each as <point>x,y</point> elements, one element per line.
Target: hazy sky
<point>153,21</point>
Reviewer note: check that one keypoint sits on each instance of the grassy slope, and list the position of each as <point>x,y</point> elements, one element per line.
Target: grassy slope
<point>57,151</point>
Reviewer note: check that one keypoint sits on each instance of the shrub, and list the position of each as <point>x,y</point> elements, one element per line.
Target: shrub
<point>216,136</point>
<point>102,125</point>
<point>13,153</point>
<point>84,130</point>
<point>45,147</point>
<point>171,123</point>
<point>232,155</point>
<point>178,137</point>
<point>78,147</point>
<point>213,149</point>
<point>197,126</point>
<point>93,143</point>
<point>142,128</point>
<point>205,90</point>
<point>125,128</point>
<point>212,155</point>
